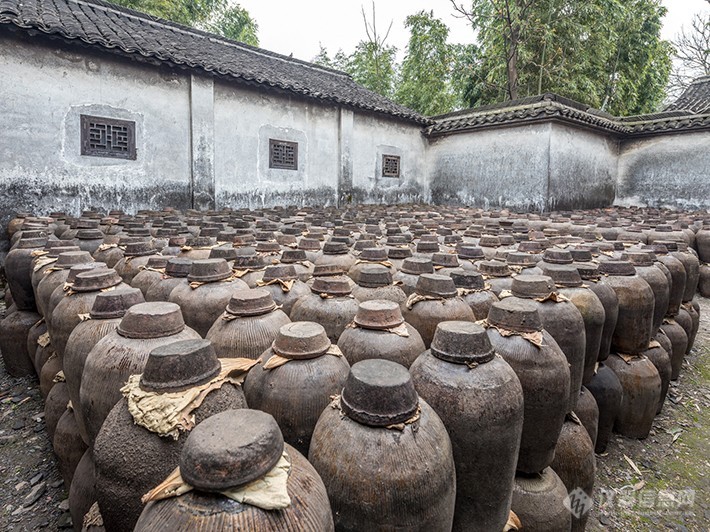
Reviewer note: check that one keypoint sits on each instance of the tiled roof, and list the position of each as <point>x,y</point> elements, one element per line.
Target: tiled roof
<point>695,99</point>
<point>137,35</point>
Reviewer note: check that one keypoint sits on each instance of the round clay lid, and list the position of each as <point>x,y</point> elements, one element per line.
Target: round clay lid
<point>417,266</point>
<point>334,248</point>
<point>327,270</point>
<point>223,252</point>
<point>532,286</point>
<point>588,271</point>
<point>157,261</point>
<point>379,393</point>
<point>375,276</point>
<point>399,253</point>
<point>139,249</point>
<point>617,268</point>
<point>231,449</point>
<point>427,247</point>
<point>432,284</point>
<point>374,254</point>
<point>96,279</point>
<point>467,279</point>
<point>54,252</point>
<point>639,258</point>
<point>378,314</point>
<point>447,260</point>
<point>309,244</point>
<point>250,302</point>
<point>293,255</point>
<point>115,303</point>
<point>209,270</point>
<point>151,320</point>
<point>248,258</point>
<point>515,314</point>
<point>180,365</point>
<point>81,268</point>
<point>284,272</point>
<point>564,275</point>
<point>489,241</point>
<point>301,340</point>
<point>557,256</point>
<point>31,243</point>
<point>470,252</point>
<point>67,259</point>
<point>671,245</point>
<point>363,244</point>
<point>178,267</point>
<point>461,342</point>
<point>530,246</point>
<point>268,247</point>
<point>89,234</point>
<point>520,258</point>
<point>581,254</point>
<point>336,286</point>
<point>494,268</point>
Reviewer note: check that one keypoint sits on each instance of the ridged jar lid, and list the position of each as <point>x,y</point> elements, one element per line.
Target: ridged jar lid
<point>301,340</point>
<point>336,286</point>
<point>530,246</point>
<point>467,279</point>
<point>427,247</point>
<point>209,270</point>
<point>180,365</point>
<point>461,342</point>
<point>520,258</point>
<point>374,276</point>
<point>151,320</point>
<point>671,245</point>
<point>250,302</point>
<point>293,255</point>
<point>374,254</point>
<point>532,286</point>
<point>494,268</point>
<point>433,284</point>
<point>417,266</point>
<point>379,393</point>
<point>581,254</point>
<point>378,314</point>
<point>247,258</point>
<point>639,258</point>
<point>268,247</point>
<point>31,243</point>
<point>564,275</point>
<point>515,314</point>
<point>309,244</point>
<point>399,253</point>
<point>327,270</point>
<point>89,234</point>
<point>470,252</point>
<point>223,252</point>
<point>588,271</point>
<point>96,279</point>
<point>284,272</point>
<point>335,248</point>
<point>178,267</point>
<point>157,261</point>
<point>114,304</point>
<point>230,449</point>
<point>139,249</point>
<point>489,241</point>
<point>81,268</point>
<point>447,260</point>
<point>557,256</point>
<point>617,268</point>
<point>363,244</point>
<point>54,252</point>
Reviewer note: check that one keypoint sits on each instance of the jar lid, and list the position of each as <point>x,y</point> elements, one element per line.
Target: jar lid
<point>378,314</point>
<point>180,365</point>
<point>89,234</point>
<point>617,268</point>
<point>374,254</point>
<point>249,258</point>
<point>139,249</point>
<point>513,314</point>
<point>293,255</point>
<point>374,276</point>
<point>336,286</point>
<point>309,244</point>
<point>76,269</point>
<point>588,271</point>
<point>399,253</point>
<point>230,449</point>
<point>223,252</point>
<point>157,261</point>
<point>151,320</point>
<point>432,284</point>
<point>327,270</point>
<point>114,304</point>
<point>268,247</point>
<point>379,393</point>
<point>335,248</point>
<point>532,286</point>
<point>639,258</point>
<point>96,279</point>
<point>564,275</point>
<point>557,256</point>
<point>494,268</point>
<point>461,342</point>
<point>467,279</point>
<point>209,270</point>
<point>447,260</point>
<point>284,272</point>
<point>250,302</point>
<point>301,340</point>
<point>178,267</point>
<point>581,254</point>
<point>530,246</point>
<point>31,243</point>
<point>427,247</point>
<point>489,241</point>
<point>366,243</point>
<point>417,266</point>
<point>671,245</point>
<point>520,258</point>
<point>470,252</point>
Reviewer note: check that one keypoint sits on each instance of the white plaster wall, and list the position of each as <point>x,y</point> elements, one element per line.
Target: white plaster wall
<point>500,167</point>
<point>666,171</point>
<point>244,121</point>
<point>374,137</point>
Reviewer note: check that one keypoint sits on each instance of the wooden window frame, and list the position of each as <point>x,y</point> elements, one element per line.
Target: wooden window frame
<point>273,145</point>
<point>385,165</point>
<point>88,123</point>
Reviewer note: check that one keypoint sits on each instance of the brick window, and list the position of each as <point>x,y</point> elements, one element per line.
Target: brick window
<point>283,154</point>
<point>390,166</point>
<point>108,137</point>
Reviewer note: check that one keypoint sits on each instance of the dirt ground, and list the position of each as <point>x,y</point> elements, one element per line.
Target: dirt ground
<point>660,483</point>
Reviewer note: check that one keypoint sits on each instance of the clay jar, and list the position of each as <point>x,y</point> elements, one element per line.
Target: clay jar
<point>480,400</point>
<point>135,255</point>
<point>435,300</point>
<point>151,273</point>
<point>44,262</point>
<point>685,320</point>
<point>607,391</point>
<point>228,450</point>
<point>36,332</point>
<point>569,284</point>
<point>543,371</point>
<point>575,464</point>
<point>54,406</point>
<point>679,342</point>
<point>376,282</point>
<point>472,288</point>
<point>384,453</point>
<point>330,303</point>
<point>409,272</point>
<point>122,353</point>
<point>282,282</point>
<point>14,330</point>
<point>298,259</point>
<point>68,445</point>
<point>702,241</point>
<point>18,269</point>
<point>588,413</point>
<point>250,265</point>
<point>79,300</point>
<point>56,275</point>
<point>176,270</point>
<point>692,269</point>
<point>379,331</point>
<point>336,253</point>
<point>205,293</point>
<point>82,492</point>
<point>607,296</point>
<point>397,255</point>
<point>656,279</point>
<point>562,320</point>
<point>297,392</point>
<point>106,313</point>
<point>369,257</point>
<point>678,276</point>
<point>641,385</point>
<point>538,501</point>
<point>660,358</point>
<point>130,459</point>
<point>636,301</point>
<point>248,326</point>
<point>497,274</point>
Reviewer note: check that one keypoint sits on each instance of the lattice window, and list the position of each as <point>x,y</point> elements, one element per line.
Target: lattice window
<point>283,154</point>
<point>390,166</point>
<point>108,137</point>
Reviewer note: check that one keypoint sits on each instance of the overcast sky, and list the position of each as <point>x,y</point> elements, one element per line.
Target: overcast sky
<point>298,26</point>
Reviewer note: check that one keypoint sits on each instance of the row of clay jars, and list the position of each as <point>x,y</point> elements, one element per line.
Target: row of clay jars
<point>18,270</point>
<point>45,260</point>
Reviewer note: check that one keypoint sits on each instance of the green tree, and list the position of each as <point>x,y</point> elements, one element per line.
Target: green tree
<point>691,55</point>
<point>234,22</point>
<point>426,73</point>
